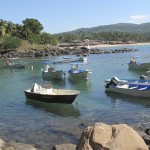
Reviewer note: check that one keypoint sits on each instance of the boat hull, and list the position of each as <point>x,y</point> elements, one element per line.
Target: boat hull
<point>53,75</point>
<point>48,98</point>
<point>131,92</point>
<point>15,66</point>
<point>79,75</point>
<point>143,66</point>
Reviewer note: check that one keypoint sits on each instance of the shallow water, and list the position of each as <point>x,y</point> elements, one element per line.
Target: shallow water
<point>44,125</point>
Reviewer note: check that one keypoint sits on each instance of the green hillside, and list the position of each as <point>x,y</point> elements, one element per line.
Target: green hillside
<point>120,27</point>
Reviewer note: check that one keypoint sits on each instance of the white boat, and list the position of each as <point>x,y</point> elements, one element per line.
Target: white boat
<point>14,63</point>
<point>83,58</point>
<point>51,95</point>
<point>138,89</point>
<point>77,71</point>
<point>49,73</point>
<point>134,64</point>
<point>79,58</point>
<point>146,76</point>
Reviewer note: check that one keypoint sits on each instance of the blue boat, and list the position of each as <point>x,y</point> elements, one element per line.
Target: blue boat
<point>132,88</point>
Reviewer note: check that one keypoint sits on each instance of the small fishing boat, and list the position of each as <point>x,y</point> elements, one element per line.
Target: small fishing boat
<point>145,76</point>
<point>77,71</point>
<point>134,64</point>
<point>51,95</point>
<point>138,89</point>
<point>80,58</point>
<point>49,73</point>
<point>14,63</point>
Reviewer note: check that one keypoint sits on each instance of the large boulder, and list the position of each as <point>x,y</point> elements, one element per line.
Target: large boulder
<point>101,136</point>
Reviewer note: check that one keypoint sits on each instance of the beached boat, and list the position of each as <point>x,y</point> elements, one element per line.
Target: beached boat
<point>134,64</point>
<point>49,73</point>
<point>77,71</point>
<point>14,63</point>
<point>51,95</point>
<point>138,89</point>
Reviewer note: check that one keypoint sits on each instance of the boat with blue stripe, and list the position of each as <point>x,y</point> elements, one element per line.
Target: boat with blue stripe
<point>138,88</point>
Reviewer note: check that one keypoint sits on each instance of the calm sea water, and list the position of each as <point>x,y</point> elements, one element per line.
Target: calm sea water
<point>44,125</point>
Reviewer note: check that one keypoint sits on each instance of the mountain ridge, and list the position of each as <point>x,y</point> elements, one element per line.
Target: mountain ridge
<point>120,27</point>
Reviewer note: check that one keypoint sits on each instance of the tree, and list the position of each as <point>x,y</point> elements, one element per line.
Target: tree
<point>3,26</point>
<point>46,38</point>
<point>32,25</point>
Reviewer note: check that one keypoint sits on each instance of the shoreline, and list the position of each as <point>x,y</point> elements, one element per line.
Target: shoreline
<point>116,45</point>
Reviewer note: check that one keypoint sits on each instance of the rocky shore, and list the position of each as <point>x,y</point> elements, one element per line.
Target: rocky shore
<point>98,136</point>
<point>61,51</point>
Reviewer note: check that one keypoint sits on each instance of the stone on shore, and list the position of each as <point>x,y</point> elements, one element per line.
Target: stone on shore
<point>64,147</point>
<point>101,136</point>
<point>19,146</point>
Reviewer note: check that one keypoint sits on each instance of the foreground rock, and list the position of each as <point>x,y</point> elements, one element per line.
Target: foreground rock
<point>15,146</point>
<point>110,137</point>
<point>64,147</point>
<point>99,136</point>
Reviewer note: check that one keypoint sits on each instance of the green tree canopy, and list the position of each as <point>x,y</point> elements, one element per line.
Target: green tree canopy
<point>46,38</point>
<point>32,25</point>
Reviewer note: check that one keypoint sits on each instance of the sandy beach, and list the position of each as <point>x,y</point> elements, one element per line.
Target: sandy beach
<point>111,45</point>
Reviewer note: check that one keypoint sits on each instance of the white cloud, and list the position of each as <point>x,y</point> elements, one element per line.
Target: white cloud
<point>139,19</point>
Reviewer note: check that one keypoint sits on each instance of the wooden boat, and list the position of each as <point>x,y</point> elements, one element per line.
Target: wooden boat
<point>51,95</point>
<point>138,89</point>
<point>49,73</point>
<point>14,63</point>
<point>76,73</point>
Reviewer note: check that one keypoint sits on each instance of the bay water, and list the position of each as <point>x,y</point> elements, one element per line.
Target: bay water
<point>44,125</point>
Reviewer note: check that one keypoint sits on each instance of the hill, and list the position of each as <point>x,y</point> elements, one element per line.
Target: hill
<point>120,27</point>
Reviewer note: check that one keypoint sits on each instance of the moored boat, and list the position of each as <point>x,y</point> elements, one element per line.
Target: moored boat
<point>145,76</point>
<point>14,63</point>
<point>51,95</point>
<point>138,89</point>
<point>134,64</point>
<point>49,73</point>
<point>76,73</point>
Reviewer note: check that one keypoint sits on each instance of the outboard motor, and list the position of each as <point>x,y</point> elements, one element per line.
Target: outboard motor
<point>113,81</point>
<point>142,77</point>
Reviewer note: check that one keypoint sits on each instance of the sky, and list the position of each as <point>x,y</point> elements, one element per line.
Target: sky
<point>59,16</point>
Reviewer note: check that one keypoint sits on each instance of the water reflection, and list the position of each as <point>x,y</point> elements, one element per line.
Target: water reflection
<point>64,110</point>
<point>135,100</point>
<point>137,71</point>
<point>81,85</point>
